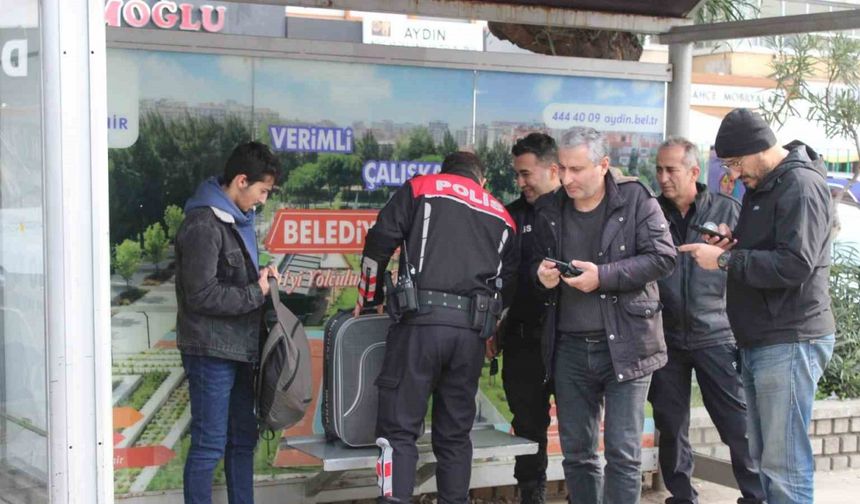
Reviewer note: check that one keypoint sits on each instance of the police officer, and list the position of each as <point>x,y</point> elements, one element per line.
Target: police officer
<point>523,373</point>
<point>457,249</point>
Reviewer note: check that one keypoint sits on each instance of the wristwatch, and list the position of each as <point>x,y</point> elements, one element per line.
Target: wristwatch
<point>723,260</point>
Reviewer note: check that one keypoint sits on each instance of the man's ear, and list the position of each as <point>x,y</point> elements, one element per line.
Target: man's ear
<point>241,181</point>
<point>696,171</point>
<point>604,164</point>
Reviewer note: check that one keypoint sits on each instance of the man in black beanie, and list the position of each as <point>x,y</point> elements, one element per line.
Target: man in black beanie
<point>777,297</point>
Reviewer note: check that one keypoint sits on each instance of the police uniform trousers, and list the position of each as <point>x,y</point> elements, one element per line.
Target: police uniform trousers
<point>523,374</point>
<point>424,361</point>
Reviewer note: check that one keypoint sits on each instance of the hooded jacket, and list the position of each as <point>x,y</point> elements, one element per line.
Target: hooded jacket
<point>219,299</point>
<point>779,271</point>
<point>210,194</point>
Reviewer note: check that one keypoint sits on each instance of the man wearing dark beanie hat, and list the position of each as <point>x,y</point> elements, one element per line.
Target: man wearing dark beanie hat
<point>741,133</point>
<point>777,294</point>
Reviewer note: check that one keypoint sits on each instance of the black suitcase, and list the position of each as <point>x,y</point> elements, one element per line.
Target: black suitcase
<point>354,350</point>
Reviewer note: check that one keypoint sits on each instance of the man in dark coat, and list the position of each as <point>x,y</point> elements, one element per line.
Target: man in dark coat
<point>603,329</point>
<point>778,263</point>
<point>220,291</point>
<point>698,334</point>
<point>528,395</point>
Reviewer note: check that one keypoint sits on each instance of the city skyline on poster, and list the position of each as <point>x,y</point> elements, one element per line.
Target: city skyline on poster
<point>388,100</point>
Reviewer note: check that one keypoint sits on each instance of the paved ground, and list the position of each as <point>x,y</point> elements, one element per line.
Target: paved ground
<point>841,487</point>
<point>139,326</point>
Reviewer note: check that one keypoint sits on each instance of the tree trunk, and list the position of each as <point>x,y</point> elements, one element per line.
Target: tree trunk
<point>582,43</point>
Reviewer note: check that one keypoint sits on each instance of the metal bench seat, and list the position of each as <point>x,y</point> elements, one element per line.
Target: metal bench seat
<point>337,458</point>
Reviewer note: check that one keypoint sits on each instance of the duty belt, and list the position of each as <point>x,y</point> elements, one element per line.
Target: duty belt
<point>444,299</point>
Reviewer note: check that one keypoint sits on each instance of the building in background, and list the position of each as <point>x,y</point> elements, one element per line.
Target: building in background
<point>736,73</point>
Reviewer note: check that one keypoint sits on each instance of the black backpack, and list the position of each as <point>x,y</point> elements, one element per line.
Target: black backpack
<point>284,381</point>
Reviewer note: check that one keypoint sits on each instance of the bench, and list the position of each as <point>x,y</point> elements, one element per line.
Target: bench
<point>337,458</point>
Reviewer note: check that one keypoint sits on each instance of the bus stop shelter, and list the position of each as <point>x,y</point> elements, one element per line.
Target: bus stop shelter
<point>68,65</point>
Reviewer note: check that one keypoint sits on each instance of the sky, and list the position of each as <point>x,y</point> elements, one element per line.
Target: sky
<point>347,92</point>
<point>502,95</point>
<point>192,78</point>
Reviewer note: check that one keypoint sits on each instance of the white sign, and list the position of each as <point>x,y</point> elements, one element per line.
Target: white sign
<point>709,95</point>
<point>18,66</point>
<point>123,119</point>
<point>389,30</point>
<point>603,118</point>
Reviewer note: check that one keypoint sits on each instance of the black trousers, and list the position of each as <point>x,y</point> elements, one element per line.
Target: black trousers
<point>420,362</point>
<point>723,395</point>
<point>528,398</point>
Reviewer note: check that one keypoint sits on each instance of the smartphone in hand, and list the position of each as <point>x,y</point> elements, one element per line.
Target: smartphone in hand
<point>706,230</point>
<point>566,269</point>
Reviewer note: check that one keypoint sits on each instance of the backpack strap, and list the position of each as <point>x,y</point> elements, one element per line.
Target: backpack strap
<point>281,310</point>
<point>276,298</point>
<point>269,343</point>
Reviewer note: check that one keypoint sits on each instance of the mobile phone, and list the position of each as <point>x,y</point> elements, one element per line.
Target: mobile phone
<point>708,231</point>
<point>566,269</point>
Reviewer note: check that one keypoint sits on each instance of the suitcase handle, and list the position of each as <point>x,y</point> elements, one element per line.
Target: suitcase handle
<point>369,311</point>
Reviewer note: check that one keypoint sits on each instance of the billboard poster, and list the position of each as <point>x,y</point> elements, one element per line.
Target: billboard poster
<point>629,113</point>
<point>347,135</point>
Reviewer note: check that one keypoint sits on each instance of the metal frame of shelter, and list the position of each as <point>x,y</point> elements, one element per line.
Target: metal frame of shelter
<point>73,49</point>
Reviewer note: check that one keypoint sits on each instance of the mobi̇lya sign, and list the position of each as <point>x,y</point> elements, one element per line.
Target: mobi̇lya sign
<point>165,15</point>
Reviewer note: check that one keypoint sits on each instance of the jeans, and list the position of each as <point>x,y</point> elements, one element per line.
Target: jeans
<point>723,394</point>
<point>223,424</point>
<point>584,380</point>
<point>780,382</point>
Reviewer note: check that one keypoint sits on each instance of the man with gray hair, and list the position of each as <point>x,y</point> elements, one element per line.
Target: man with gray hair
<point>698,335</point>
<point>603,332</point>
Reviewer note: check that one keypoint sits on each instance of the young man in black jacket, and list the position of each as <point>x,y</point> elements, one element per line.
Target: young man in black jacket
<point>220,290</point>
<point>697,334</point>
<point>777,298</point>
<point>603,331</point>
<point>536,168</point>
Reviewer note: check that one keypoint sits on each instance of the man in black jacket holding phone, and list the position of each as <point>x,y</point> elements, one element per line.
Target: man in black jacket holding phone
<point>698,335</point>
<point>777,297</point>
<point>603,332</point>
